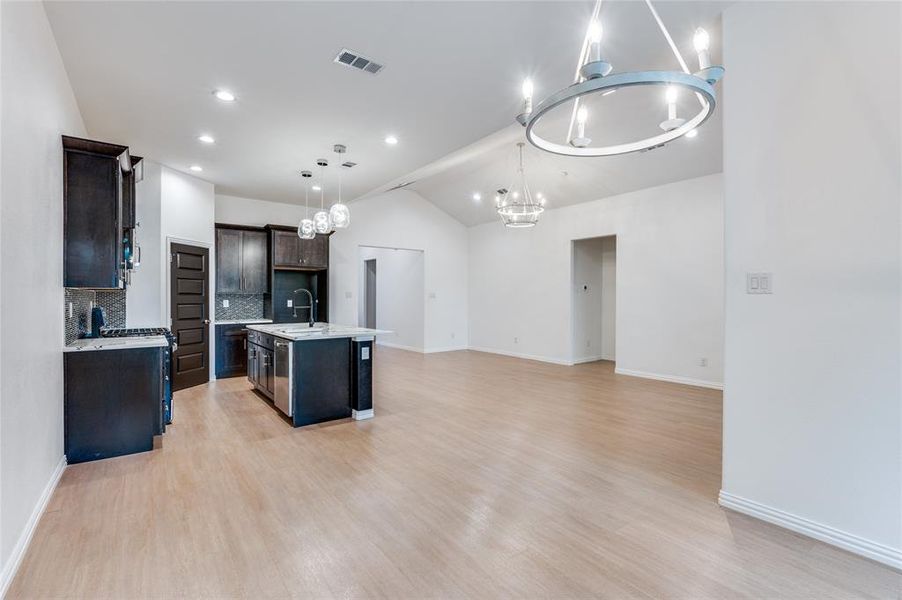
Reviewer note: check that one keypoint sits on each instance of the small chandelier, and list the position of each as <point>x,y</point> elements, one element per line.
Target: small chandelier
<point>593,76</point>
<point>306,230</point>
<point>515,203</point>
<point>339,215</point>
<point>321,222</point>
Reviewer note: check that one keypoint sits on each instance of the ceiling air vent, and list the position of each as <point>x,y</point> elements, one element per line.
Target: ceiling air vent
<point>353,59</point>
<point>348,164</point>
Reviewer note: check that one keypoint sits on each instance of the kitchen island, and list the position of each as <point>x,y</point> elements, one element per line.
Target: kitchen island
<point>313,373</point>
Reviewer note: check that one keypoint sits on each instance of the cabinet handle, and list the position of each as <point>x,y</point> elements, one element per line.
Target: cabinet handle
<point>245,343</point>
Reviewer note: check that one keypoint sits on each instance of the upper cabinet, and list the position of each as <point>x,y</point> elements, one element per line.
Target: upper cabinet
<point>241,260</point>
<point>98,209</point>
<point>291,252</point>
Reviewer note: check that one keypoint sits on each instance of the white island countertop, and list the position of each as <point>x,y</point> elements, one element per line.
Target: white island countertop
<point>116,343</point>
<point>319,331</point>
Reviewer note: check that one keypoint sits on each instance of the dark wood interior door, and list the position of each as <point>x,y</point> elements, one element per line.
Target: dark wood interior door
<point>189,305</point>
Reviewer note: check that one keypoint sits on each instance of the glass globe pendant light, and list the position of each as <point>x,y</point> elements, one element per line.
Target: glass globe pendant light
<point>306,231</point>
<point>321,222</point>
<point>339,213</point>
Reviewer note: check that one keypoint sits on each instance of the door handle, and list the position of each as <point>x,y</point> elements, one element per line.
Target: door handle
<point>206,321</point>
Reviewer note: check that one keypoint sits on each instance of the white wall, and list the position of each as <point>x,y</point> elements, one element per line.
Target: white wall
<point>37,107</point>
<point>812,165</point>
<point>594,289</point>
<point>247,211</point>
<point>400,295</point>
<point>669,291</point>
<point>399,219</point>
<point>143,302</point>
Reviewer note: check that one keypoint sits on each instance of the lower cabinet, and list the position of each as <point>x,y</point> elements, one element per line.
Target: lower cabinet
<point>113,402</point>
<point>261,364</point>
<point>231,351</point>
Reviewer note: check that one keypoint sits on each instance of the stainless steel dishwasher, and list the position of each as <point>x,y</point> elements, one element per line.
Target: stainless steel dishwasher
<point>282,396</point>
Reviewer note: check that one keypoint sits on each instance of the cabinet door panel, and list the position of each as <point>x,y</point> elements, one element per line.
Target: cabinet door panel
<point>253,262</point>
<point>286,249</point>
<point>315,253</point>
<point>231,350</point>
<point>228,261</point>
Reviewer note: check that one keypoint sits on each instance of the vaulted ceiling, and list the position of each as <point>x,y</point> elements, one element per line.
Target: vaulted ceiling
<point>144,72</point>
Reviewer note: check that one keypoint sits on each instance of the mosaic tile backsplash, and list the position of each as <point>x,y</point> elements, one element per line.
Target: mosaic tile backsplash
<point>241,306</point>
<point>80,322</point>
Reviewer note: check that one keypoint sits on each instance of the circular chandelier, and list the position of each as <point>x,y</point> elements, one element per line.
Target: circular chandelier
<point>516,204</point>
<point>324,221</point>
<point>594,76</point>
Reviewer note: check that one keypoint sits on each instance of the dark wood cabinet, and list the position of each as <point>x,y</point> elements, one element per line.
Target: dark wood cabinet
<point>291,252</point>
<point>261,363</point>
<point>241,260</point>
<point>92,208</point>
<point>231,351</point>
<point>113,402</point>
<point>99,213</point>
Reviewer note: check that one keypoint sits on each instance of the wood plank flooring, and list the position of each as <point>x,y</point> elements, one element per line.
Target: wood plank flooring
<point>481,476</point>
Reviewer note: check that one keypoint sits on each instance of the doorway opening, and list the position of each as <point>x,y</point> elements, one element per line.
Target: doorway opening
<point>369,291</point>
<point>391,297</point>
<point>594,299</point>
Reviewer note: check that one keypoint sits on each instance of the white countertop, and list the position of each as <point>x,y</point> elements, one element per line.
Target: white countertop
<point>116,343</point>
<point>320,331</point>
<point>242,321</point>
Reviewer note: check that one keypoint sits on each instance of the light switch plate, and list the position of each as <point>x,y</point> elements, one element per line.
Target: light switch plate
<point>365,353</point>
<point>289,303</point>
<point>225,303</point>
<point>759,283</point>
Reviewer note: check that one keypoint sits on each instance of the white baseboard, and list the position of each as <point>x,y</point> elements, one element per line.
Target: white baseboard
<point>399,346</point>
<point>15,557</point>
<point>835,537</point>
<point>714,385</point>
<point>361,415</point>
<point>546,359</point>
<point>445,349</point>
<point>588,359</point>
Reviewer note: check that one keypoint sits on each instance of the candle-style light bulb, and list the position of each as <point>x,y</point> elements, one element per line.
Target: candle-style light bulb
<point>582,115</point>
<point>701,42</point>
<point>670,96</point>
<point>595,34</point>
<point>527,96</point>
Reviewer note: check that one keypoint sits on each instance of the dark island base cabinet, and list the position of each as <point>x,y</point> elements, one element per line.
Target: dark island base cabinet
<point>231,351</point>
<point>322,381</point>
<point>260,363</point>
<point>113,402</point>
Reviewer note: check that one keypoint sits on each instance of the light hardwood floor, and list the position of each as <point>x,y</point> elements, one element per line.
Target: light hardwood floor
<point>481,476</point>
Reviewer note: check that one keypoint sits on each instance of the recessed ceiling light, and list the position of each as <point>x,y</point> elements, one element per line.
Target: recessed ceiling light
<point>196,168</point>
<point>692,133</point>
<point>316,188</point>
<point>224,95</point>
<point>539,195</point>
<point>207,139</point>
<point>477,196</point>
<point>391,140</point>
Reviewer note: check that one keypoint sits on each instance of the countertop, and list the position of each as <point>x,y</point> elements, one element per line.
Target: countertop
<point>320,331</point>
<point>241,321</point>
<point>116,343</point>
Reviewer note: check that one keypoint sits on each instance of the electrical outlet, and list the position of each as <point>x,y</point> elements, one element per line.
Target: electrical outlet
<point>225,303</point>
<point>348,295</point>
<point>588,344</point>
<point>759,283</point>
<point>289,303</point>
<point>516,340</point>
<point>452,335</point>
<point>703,362</point>
<point>70,310</point>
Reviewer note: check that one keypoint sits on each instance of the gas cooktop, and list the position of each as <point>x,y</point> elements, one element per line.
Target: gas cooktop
<point>134,332</point>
